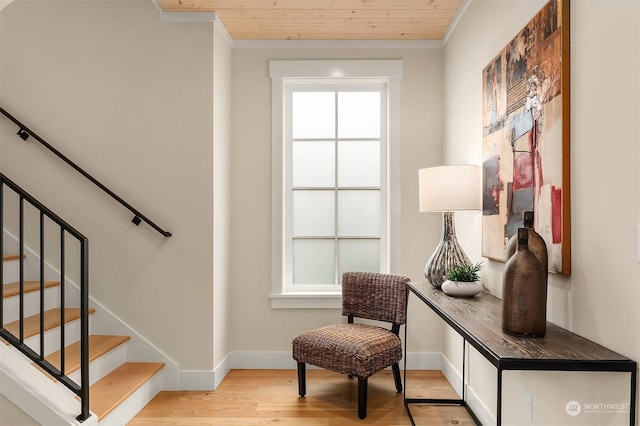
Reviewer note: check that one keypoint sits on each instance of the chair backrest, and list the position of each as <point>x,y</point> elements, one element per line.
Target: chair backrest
<point>371,295</point>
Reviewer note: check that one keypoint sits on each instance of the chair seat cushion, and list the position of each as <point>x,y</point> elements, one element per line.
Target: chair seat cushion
<point>355,349</point>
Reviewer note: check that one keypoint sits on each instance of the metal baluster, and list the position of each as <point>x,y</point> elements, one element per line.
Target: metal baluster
<point>84,327</point>
<point>62,299</point>
<point>2,251</point>
<point>42,352</point>
<point>21,284</point>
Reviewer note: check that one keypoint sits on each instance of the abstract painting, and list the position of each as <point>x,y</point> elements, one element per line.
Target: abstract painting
<point>525,119</point>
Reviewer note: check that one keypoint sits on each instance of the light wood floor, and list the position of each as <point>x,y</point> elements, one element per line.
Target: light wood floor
<point>270,397</point>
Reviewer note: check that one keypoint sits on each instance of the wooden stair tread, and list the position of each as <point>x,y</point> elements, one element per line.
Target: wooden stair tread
<point>13,289</point>
<point>98,346</point>
<point>7,256</point>
<point>114,388</point>
<point>51,320</point>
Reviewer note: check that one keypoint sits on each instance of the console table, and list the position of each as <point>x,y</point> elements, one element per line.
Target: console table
<point>479,321</point>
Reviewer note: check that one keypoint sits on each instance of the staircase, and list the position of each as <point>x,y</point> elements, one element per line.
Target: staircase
<point>119,388</point>
<point>102,371</point>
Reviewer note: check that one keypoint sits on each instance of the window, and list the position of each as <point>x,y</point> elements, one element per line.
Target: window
<point>332,175</point>
<point>335,142</point>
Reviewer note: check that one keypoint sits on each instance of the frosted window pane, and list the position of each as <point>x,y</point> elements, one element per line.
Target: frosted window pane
<point>313,213</point>
<point>313,115</point>
<point>313,164</point>
<point>358,255</point>
<point>359,163</point>
<point>359,115</point>
<point>313,261</point>
<point>359,213</point>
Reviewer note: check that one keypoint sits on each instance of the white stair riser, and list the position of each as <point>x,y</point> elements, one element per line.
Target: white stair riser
<point>124,412</point>
<point>100,367</point>
<point>11,310</point>
<point>10,271</point>
<point>52,338</point>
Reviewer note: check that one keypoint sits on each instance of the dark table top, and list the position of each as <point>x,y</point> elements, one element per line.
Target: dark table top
<point>479,320</point>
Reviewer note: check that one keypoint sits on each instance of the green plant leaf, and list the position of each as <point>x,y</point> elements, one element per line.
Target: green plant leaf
<point>465,272</point>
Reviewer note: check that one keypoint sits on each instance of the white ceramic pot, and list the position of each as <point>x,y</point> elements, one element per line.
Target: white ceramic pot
<point>461,288</point>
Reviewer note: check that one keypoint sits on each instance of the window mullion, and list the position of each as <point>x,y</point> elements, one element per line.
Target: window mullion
<point>336,140</point>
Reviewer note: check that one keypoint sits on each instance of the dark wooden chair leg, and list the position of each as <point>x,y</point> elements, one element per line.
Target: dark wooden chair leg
<point>302,379</point>
<point>396,377</point>
<point>362,397</point>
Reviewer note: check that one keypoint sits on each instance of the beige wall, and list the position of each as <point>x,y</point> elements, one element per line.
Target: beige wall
<point>129,98</point>
<point>257,327</point>
<point>599,299</point>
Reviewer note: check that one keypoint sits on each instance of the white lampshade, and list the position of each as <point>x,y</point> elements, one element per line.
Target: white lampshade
<point>450,188</point>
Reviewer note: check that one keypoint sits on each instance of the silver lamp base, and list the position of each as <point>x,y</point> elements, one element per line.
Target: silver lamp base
<point>447,254</point>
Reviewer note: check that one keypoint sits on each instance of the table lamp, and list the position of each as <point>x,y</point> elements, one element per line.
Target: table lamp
<point>447,189</point>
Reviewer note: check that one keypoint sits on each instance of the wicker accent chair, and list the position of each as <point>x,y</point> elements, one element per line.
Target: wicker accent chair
<point>359,350</point>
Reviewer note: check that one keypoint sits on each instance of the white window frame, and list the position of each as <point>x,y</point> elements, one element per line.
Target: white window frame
<point>388,72</point>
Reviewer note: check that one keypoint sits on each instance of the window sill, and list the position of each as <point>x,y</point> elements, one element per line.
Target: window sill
<point>306,301</point>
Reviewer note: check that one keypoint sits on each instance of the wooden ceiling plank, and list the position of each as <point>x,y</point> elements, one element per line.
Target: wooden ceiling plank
<point>217,5</point>
<point>340,32</point>
<point>336,36</point>
<point>233,23</point>
<point>335,14</point>
<point>345,29</point>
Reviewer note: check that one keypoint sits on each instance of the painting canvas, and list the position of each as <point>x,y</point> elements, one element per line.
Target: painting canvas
<point>525,121</point>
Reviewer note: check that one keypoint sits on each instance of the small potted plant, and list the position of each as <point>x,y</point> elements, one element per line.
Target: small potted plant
<point>463,280</point>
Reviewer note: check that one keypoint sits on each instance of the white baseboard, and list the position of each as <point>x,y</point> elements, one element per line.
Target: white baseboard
<point>196,380</point>
<point>423,361</point>
<point>479,409</point>
<point>451,374</point>
<point>474,402</point>
<point>222,370</point>
<point>205,379</point>
<point>285,361</point>
<point>273,360</point>
<point>262,360</point>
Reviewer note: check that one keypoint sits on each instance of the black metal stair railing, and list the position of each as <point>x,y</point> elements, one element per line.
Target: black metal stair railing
<point>24,132</point>
<point>38,356</point>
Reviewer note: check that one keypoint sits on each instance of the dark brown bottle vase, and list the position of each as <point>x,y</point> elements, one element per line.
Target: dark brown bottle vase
<point>536,242</point>
<point>524,292</point>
